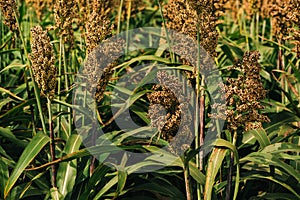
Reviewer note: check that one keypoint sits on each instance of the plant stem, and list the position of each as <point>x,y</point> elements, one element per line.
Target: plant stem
<point>201,117</point>
<point>59,84</point>
<point>67,88</point>
<point>186,177</point>
<point>93,158</point>
<point>119,16</point>
<point>52,144</point>
<point>230,170</point>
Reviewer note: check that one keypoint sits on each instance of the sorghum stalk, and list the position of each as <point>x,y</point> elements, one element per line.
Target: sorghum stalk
<point>97,69</point>
<point>231,165</point>
<point>243,96</point>
<point>52,144</point>
<point>119,16</point>
<point>186,172</point>
<point>44,71</point>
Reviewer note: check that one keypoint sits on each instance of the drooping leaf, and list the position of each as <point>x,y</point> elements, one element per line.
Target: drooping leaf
<point>261,136</point>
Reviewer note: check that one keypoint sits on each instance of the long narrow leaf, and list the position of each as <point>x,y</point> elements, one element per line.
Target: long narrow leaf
<point>31,150</point>
<point>66,173</point>
<point>214,164</point>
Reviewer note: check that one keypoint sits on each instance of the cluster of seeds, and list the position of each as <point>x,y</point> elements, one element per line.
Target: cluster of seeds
<point>9,10</point>
<point>65,13</point>
<point>244,93</point>
<point>98,25</point>
<point>43,59</point>
<point>99,66</point>
<point>168,112</point>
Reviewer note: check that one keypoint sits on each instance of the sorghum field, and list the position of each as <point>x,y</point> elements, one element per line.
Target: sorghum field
<point>202,104</point>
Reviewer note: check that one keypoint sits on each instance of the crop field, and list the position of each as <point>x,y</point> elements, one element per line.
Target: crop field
<point>150,99</point>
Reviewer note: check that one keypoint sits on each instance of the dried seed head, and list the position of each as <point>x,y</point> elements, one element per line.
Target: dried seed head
<point>98,26</point>
<point>190,17</point>
<point>296,38</point>
<point>87,7</point>
<point>42,59</point>
<point>180,17</point>
<point>168,112</point>
<point>243,95</point>
<point>65,13</point>
<point>8,9</point>
<point>99,66</point>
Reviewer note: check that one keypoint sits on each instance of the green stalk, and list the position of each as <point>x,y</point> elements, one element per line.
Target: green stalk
<point>119,16</point>
<point>186,173</point>
<point>198,110</point>
<point>167,34</point>
<point>59,82</point>
<point>257,28</point>
<point>67,88</point>
<point>52,144</point>
<point>230,170</point>
<point>127,26</point>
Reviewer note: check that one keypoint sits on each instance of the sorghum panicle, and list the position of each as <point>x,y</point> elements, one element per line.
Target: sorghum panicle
<point>98,26</point>
<point>168,112</point>
<point>65,13</point>
<point>43,59</point>
<point>8,9</point>
<point>190,17</point>
<point>244,93</point>
<point>99,66</point>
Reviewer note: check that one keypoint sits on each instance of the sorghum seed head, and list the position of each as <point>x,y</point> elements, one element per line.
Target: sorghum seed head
<point>65,13</point>
<point>99,66</point>
<point>244,93</point>
<point>8,9</point>
<point>168,112</point>
<point>42,59</point>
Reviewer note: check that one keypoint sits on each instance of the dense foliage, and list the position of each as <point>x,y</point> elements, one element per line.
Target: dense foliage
<point>44,50</point>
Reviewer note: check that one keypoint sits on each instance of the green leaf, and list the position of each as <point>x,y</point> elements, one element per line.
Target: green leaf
<point>97,176</point>
<point>196,173</point>
<point>281,147</point>
<point>6,132</point>
<point>122,177</point>
<point>261,136</point>
<point>271,160</point>
<point>163,188</point>
<point>281,196</point>
<point>226,144</point>
<point>215,162</point>
<point>3,176</point>
<point>228,52</point>
<point>31,150</point>
<point>271,178</point>
<point>66,173</point>
<point>55,194</point>
<point>18,108</point>
<point>26,189</point>
<point>11,66</point>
